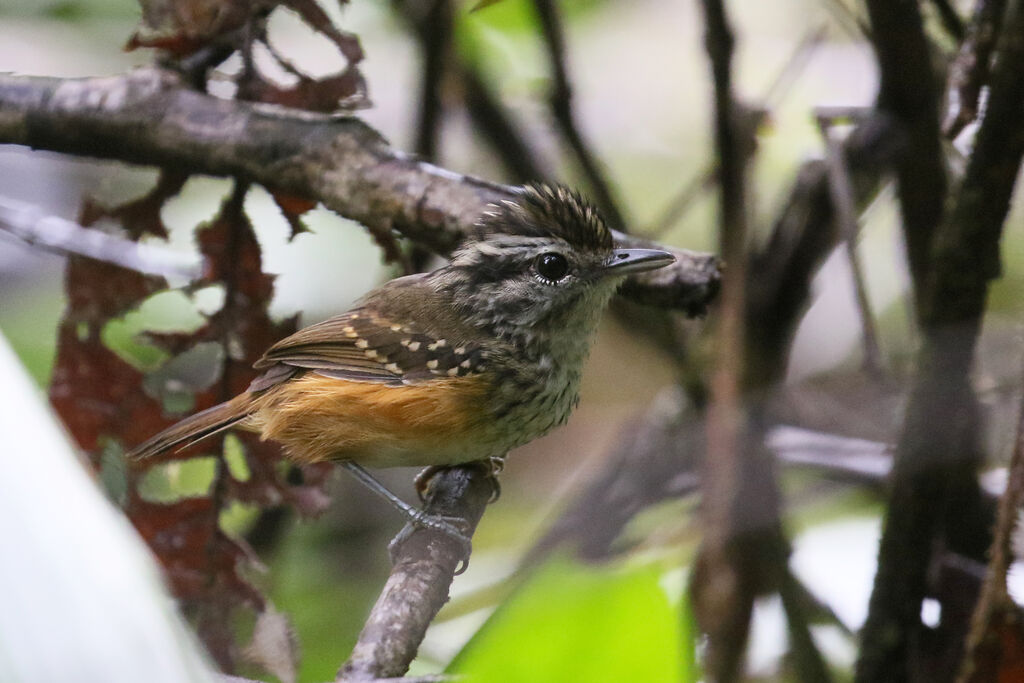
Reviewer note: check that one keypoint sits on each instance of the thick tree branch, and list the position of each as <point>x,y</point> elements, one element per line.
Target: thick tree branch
<point>149,117</point>
<point>909,92</point>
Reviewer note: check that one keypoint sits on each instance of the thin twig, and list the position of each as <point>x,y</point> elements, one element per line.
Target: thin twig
<point>848,20</point>
<point>432,22</point>
<point>498,128</point>
<point>723,586</point>
<point>845,208</point>
<point>950,18</point>
<point>560,100</point>
<point>776,92</point>
<point>995,602</point>
<point>52,233</point>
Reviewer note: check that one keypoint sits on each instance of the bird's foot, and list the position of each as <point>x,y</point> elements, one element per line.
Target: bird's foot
<point>455,528</point>
<point>494,465</point>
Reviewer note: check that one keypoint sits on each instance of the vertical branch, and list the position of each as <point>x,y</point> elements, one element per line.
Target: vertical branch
<point>498,129</point>
<point>722,586</point>
<point>908,91</point>
<point>561,106</point>
<point>982,653</point>
<point>938,448</point>
<point>950,19</point>
<point>844,206</point>
<point>432,22</point>
<point>971,68</point>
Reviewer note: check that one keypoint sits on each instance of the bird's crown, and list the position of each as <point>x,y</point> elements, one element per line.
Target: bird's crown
<point>552,211</point>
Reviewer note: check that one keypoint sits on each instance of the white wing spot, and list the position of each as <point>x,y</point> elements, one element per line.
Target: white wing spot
<point>432,364</point>
<point>414,346</point>
<point>362,343</point>
<point>393,367</point>
<point>371,354</point>
<point>396,328</point>
<point>460,350</point>
<point>436,345</point>
<point>466,363</point>
<point>453,372</point>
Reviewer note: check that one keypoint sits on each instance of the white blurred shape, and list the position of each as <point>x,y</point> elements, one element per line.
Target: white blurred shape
<point>81,598</point>
<point>836,561</point>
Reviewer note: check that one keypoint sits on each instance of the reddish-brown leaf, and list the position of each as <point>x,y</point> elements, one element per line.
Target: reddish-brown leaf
<point>95,392</point>
<point>181,27</point>
<point>293,205</point>
<point>293,208</point>
<point>99,395</point>
<point>999,657</point>
<point>140,217</point>
<point>344,90</point>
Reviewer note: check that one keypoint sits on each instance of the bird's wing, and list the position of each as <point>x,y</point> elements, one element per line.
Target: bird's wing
<point>366,346</point>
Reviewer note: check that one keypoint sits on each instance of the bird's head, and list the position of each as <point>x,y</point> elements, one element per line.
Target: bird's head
<point>544,259</point>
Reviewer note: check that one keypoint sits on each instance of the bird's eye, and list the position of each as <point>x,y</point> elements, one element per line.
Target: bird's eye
<point>552,267</point>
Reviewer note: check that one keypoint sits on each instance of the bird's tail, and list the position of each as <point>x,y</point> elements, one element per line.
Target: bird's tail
<point>197,427</point>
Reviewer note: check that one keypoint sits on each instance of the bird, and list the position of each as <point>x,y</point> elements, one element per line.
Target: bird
<point>461,364</point>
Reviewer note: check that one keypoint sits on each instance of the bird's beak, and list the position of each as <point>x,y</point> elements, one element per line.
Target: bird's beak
<point>625,261</point>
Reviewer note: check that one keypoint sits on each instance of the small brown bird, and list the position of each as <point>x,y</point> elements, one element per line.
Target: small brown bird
<point>442,368</point>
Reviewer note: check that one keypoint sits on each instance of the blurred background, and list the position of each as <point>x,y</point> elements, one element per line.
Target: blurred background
<point>642,102</point>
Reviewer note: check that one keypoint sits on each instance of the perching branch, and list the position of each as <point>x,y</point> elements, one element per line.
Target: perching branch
<point>422,571</point>
<point>149,117</point>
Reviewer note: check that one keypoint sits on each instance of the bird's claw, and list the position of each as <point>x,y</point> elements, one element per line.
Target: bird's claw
<point>495,465</point>
<point>455,528</point>
<point>423,479</point>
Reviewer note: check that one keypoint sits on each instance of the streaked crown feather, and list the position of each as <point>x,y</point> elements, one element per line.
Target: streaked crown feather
<point>542,210</point>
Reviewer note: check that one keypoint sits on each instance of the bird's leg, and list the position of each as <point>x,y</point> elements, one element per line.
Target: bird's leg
<point>416,517</point>
<point>495,465</point>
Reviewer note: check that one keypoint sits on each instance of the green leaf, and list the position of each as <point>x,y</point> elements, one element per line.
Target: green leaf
<point>482,4</point>
<point>583,624</point>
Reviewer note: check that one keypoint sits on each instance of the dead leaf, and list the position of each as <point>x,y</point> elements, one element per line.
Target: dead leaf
<point>274,646</point>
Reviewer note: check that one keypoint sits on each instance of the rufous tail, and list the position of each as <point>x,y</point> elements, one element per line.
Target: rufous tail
<point>197,427</point>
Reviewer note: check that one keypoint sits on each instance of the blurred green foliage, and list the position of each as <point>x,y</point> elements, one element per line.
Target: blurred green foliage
<point>582,624</point>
